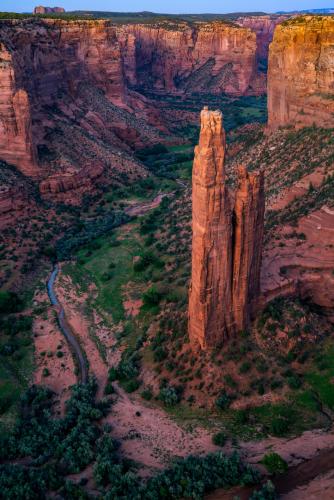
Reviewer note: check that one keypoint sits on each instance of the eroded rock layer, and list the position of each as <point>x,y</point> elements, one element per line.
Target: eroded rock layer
<point>16,145</point>
<point>65,116</point>
<point>301,73</point>
<point>227,241</point>
<point>264,27</point>
<point>208,57</point>
<point>247,245</point>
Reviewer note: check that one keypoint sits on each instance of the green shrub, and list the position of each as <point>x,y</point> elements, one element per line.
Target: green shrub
<point>147,259</point>
<point>223,401</point>
<point>267,492</point>
<point>152,297</point>
<point>169,395</point>
<point>245,367</point>
<point>295,382</point>
<point>131,385</point>
<point>219,439</point>
<point>112,374</point>
<point>274,463</point>
<point>10,302</point>
<point>160,354</point>
<point>279,426</point>
<point>109,388</point>
<point>147,394</point>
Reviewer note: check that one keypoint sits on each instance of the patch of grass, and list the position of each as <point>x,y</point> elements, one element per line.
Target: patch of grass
<point>110,293</point>
<point>321,382</point>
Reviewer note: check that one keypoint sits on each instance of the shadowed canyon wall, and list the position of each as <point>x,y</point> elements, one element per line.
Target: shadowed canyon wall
<point>227,241</point>
<point>208,57</point>
<point>301,73</point>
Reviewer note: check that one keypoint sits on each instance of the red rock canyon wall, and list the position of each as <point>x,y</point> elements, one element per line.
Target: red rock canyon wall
<point>207,57</point>
<point>301,73</point>
<point>16,144</point>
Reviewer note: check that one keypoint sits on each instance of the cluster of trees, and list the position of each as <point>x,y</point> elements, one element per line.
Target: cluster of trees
<point>147,259</point>
<point>10,302</point>
<point>15,347</point>
<point>127,371</point>
<point>163,163</point>
<point>83,233</point>
<point>53,448</point>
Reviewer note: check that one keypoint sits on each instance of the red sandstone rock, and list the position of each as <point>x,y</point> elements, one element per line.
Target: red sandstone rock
<point>264,27</point>
<point>214,57</point>
<point>16,145</point>
<point>247,247</point>
<point>227,242</point>
<point>62,183</point>
<point>210,302</point>
<point>48,60</point>
<point>301,73</point>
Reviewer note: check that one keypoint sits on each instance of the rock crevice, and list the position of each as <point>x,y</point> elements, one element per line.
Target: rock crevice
<point>227,241</point>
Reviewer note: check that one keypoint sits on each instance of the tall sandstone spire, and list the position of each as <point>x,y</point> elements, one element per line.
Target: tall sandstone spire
<point>209,322</point>
<point>227,241</point>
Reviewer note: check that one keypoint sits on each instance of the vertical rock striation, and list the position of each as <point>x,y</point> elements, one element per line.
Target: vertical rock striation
<point>205,57</point>
<point>301,73</point>
<point>264,27</point>
<point>212,236</point>
<point>247,245</point>
<point>227,241</point>
<point>16,145</point>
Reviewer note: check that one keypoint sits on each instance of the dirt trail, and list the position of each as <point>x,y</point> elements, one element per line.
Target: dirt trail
<point>150,436</point>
